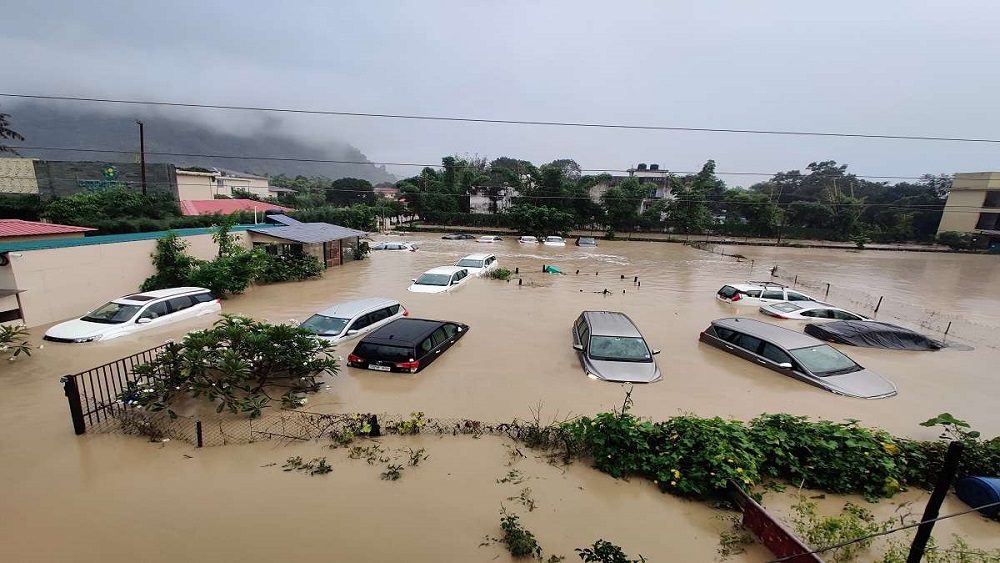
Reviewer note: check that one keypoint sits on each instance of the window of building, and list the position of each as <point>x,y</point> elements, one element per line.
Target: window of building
<point>989,222</point>
<point>992,199</point>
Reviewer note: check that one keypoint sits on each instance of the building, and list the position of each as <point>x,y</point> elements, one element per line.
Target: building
<point>387,191</point>
<point>16,230</point>
<point>973,206</point>
<point>644,173</point>
<point>332,245</point>
<point>206,183</point>
<point>50,178</point>
<point>228,207</point>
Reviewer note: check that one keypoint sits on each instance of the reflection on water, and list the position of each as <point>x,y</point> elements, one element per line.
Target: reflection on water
<point>117,495</point>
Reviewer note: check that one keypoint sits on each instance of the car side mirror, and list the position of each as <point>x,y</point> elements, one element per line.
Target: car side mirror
<point>655,351</point>
<point>459,329</point>
<point>144,320</point>
<point>414,280</point>
<point>578,347</point>
<point>785,365</point>
<point>353,331</point>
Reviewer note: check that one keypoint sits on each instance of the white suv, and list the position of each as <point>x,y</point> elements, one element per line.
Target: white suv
<point>757,293</point>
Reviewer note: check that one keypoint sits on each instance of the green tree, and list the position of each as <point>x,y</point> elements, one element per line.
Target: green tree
<point>622,202</point>
<point>749,213</point>
<point>7,133</point>
<point>350,191</point>
<point>540,220</point>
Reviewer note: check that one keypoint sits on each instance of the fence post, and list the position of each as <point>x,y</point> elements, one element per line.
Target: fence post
<point>75,408</point>
<point>197,431</point>
<point>879,304</point>
<point>947,329</point>
<point>923,534</point>
<point>751,266</point>
<point>795,282</point>
<point>827,291</point>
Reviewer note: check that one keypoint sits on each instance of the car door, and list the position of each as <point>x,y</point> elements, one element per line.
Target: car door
<point>772,295</point>
<point>846,316</point>
<point>745,345</point>
<point>181,308</point>
<point>380,317</point>
<point>359,326</point>
<point>158,314</point>
<point>796,296</point>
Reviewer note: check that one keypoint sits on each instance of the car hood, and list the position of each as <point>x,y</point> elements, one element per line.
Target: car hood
<point>626,372</point>
<point>864,384</point>
<point>427,288</point>
<point>81,329</point>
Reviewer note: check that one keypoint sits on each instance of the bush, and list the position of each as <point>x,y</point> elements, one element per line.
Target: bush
<point>955,240</point>
<point>173,264</point>
<point>14,340</point>
<point>289,267</point>
<point>502,274</point>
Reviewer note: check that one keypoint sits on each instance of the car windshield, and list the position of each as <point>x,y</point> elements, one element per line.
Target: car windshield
<point>553,239</point>
<point>470,263</point>
<point>324,326</point>
<point>433,279</point>
<point>824,360</point>
<point>373,352</point>
<point>586,241</point>
<point>785,307</point>
<point>112,313</point>
<point>619,348</point>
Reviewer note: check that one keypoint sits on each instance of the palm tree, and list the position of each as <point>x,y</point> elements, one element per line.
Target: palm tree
<point>7,133</point>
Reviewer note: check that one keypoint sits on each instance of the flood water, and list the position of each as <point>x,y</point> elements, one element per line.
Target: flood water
<point>118,498</point>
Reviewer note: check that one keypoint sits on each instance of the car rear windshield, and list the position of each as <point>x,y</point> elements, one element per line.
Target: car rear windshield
<point>469,263</point>
<point>728,291</point>
<point>786,307</point>
<point>586,240</point>
<point>112,313</point>
<point>325,326</point>
<point>370,352</point>
<point>619,348</point>
<point>824,360</point>
<point>433,279</point>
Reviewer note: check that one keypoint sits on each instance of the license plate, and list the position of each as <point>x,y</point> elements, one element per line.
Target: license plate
<point>377,367</point>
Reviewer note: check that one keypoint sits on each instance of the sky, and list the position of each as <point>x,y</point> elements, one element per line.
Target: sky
<point>888,67</point>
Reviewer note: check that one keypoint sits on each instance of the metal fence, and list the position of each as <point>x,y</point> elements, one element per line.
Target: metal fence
<point>95,395</point>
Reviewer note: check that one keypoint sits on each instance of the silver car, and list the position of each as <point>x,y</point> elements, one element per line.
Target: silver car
<point>611,348</point>
<point>796,355</point>
<point>351,319</point>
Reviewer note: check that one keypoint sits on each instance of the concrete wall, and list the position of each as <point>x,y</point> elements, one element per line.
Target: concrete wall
<point>61,283</point>
<point>64,178</point>
<point>17,176</point>
<point>195,186</point>
<point>966,199</point>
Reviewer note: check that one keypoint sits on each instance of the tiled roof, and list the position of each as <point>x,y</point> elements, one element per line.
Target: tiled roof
<point>310,233</point>
<point>19,228</point>
<point>225,206</point>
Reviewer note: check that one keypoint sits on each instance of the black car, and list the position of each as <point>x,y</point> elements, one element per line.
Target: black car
<point>406,345</point>
<point>459,236</point>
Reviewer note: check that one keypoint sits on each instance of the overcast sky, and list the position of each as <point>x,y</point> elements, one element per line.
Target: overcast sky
<point>885,67</point>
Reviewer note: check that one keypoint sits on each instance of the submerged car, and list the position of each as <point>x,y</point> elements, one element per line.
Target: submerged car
<point>478,264</point>
<point>796,355</point>
<point>406,345</point>
<point>873,334</point>
<point>135,313</point>
<point>348,320</point>
<point>554,241</point>
<point>808,311</point>
<point>528,239</point>
<point>407,246</point>
<point>610,347</point>
<point>439,280</point>
<point>760,293</point>
<point>459,236</point>
<point>489,239</point>
<point>586,241</point>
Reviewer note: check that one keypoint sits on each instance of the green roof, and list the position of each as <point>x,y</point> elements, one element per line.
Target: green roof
<point>111,239</point>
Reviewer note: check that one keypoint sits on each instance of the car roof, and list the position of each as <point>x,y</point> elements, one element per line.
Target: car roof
<point>147,296</point>
<point>554,236</point>
<point>775,334</point>
<point>404,331</point>
<point>610,323</point>
<point>758,285</point>
<point>349,309</point>
<point>476,257</point>
<point>444,270</point>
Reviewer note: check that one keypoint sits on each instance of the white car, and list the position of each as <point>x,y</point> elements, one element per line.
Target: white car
<point>135,313</point>
<point>406,246</point>
<point>351,319</point>
<point>527,239</point>
<point>809,311</point>
<point>489,239</point>
<point>759,293</point>
<point>478,264</point>
<point>439,280</point>
<point>554,241</point>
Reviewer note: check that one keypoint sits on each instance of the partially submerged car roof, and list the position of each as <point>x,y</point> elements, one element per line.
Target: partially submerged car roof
<point>348,309</point>
<point>873,334</point>
<point>611,323</point>
<point>403,332</point>
<point>781,336</point>
<point>159,294</point>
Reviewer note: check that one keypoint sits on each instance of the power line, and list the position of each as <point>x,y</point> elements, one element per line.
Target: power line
<point>416,164</point>
<point>505,121</point>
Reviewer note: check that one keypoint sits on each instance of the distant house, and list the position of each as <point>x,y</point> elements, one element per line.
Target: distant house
<point>386,191</point>
<point>197,183</point>
<point>331,244</point>
<point>50,178</point>
<point>973,207</point>
<point>644,173</point>
<point>227,207</point>
<point>16,230</point>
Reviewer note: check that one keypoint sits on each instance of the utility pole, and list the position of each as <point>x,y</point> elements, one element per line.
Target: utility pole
<point>142,156</point>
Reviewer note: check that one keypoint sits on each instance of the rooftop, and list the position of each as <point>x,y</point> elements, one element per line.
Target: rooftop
<point>309,233</point>
<point>25,245</point>
<point>19,228</point>
<point>226,206</point>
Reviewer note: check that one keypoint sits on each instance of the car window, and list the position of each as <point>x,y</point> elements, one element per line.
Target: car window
<point>786,307</point>
<point>752,293</point>
<point>376,316</point>
<point>450,330</point>
<point>793,296</point>
<point>747,342</point>
<point>393,309</point>
<point>824,360</point>
<point>845,316</point>
<point>426,346</point>
<point>438,337</point>
<point>728,291</point>
<point>822,313</point>
<point>371,351</point>
<point>155,311</point>
<point>773,294</point>
<point>324,326</point>
<point>362,322</point>
<point>585,336</point>
<point>202,297</point>
<point>775,354</point>
<point>810,313</point>
<point>179,303</point>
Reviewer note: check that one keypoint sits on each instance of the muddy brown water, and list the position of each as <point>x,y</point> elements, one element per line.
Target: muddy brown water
<point>117,498</point>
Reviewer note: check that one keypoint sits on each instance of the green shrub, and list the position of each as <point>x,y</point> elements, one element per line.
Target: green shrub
<point>289,267</point>
<point>173,264</point>
<point>955,240</point>
<point>518,541</point>
<point>606,552</point>
<point>502,274</point>
<point>14,341</point>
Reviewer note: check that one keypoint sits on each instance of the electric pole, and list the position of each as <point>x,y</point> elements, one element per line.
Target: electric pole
<point>142,157</point>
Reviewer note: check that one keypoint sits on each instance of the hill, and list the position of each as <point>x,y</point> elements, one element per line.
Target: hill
<point>187,141</point>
